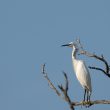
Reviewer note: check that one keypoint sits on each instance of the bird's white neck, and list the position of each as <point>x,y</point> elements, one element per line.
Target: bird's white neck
<point>74,60</point>
<point>74,54</point>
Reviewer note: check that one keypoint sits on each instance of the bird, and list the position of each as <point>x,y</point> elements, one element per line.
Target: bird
<point>81,71</point>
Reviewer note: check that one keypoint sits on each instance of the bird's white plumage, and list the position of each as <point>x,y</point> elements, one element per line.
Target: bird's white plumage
<point>82,74</point>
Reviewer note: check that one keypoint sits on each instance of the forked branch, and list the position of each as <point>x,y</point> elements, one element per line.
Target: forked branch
<point>64,89</point>
<point>64,92</point>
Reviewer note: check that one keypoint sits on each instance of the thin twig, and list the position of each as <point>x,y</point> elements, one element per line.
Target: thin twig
<point>49,82</point>
<point>97,69</point>
<point>64,90</point>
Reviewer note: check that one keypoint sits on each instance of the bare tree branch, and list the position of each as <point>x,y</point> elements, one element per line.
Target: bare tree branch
<point>49,82</point>
<point>92,102</point>
<point>99,58</point>
<point>64,92</point>
<point>97,69</point>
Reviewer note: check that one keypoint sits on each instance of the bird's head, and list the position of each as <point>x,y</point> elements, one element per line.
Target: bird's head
<point>72,45</point>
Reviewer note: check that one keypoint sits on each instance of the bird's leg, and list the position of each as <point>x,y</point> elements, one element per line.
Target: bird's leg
<point>88,98</point>
<point>84,95</point>
<point>86,101</point>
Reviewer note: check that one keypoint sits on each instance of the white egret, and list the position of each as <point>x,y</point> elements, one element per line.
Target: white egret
<point>82,72</point>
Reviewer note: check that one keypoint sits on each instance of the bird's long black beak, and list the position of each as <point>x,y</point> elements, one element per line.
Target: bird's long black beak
<point>65,45</point>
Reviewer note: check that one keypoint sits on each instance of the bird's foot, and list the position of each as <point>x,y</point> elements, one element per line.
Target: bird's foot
<point>87,104</point>
<point>84,103</point>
